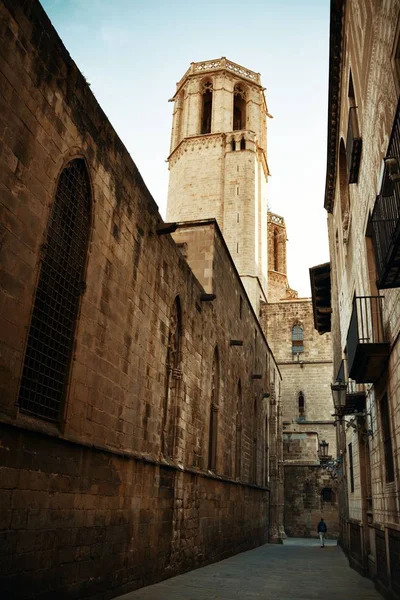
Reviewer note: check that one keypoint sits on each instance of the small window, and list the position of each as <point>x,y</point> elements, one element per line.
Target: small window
<point>351,468</point>
<point>387,439</point>
<point>233,145</point>
<point>240,307</point>
<point>243,144</point>
<point>327,495</point>
<point>297,339</point>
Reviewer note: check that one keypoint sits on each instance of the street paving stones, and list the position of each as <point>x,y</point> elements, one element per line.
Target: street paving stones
<point>298,570</point>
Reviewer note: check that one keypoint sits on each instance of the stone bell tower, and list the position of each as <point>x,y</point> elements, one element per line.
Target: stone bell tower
<point>218,162</point>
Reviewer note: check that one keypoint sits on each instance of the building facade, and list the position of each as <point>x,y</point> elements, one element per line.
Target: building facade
<point>362,199</point>
<point>305,361</point>
<point>140,414</point>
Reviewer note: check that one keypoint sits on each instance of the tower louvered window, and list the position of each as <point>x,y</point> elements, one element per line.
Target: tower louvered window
<point>52,328</point>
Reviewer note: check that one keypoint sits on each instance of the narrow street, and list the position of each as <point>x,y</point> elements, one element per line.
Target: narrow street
<point>298,570</point>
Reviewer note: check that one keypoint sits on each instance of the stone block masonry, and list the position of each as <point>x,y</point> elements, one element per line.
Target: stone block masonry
<point>120,491</point>
<point>78,522</point>
<point>306,502</point>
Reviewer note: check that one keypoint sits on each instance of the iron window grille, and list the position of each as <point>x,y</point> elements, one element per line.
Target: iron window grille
<point>60,285</point>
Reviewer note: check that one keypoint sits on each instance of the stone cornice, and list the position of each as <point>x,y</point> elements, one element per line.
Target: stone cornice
<point>335,72</point>
<point>218,138</point>
<point>216,65</point>
<point>206,140</point>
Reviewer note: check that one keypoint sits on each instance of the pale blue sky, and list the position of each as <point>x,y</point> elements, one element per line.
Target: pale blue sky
<point>133,52</point>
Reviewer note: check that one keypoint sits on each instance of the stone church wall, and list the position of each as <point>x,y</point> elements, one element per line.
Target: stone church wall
<point>305,504</point>
<point>91,507</point>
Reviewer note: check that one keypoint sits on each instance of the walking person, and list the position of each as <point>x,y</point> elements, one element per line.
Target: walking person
<point>322,530</point>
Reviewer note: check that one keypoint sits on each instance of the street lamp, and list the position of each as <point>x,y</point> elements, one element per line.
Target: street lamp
<point>323,450</point>
<point>339,391</point>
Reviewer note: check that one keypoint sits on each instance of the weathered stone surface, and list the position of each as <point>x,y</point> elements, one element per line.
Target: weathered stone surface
<point>98,503</point>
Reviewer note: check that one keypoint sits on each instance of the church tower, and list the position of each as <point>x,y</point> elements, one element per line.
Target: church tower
<point>218,162</point>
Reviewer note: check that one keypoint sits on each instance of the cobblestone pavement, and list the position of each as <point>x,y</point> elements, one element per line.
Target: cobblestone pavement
<point>297,570</point>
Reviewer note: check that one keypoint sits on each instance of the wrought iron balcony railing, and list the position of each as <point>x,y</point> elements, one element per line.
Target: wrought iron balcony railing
<point>355,392</point>
<point>353,146</point>
<point>367,348</point>
<point>385,218</point>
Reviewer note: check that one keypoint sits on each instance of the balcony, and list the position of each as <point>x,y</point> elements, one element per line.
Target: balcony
<point>320,278</point>
<point>367,348</point>
<point>355,393</point>
<point>385,220</point>
<point>353,146</point>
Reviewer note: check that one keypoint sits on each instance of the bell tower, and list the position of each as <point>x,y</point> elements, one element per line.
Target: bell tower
<point>218,162</point>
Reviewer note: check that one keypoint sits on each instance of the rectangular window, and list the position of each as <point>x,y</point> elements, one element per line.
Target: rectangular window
<point>351,468</point>
<point>387,439</point>
<point>327,495</point>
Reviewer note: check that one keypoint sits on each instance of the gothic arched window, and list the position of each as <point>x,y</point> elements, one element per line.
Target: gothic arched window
<point>206,113</point>
<point>301,405</point>
<point>60,286</point>
<point>239,108</point>
<point>238,449</point>
<point>266,452</point>
<point>276,250</point>
<point>254,453</point>
<point>173,375</point>
<point>243,144</point>
<point>297,339</point>
<point>214,405</point>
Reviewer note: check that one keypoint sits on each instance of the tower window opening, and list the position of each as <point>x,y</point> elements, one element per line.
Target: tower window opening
<point>233,145</point>
<point>207,98</point>
<point>237,218</point>
<point>239,107</point>
<point>276,250</point>
<point>59,289</point>
<point>243,144</point>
